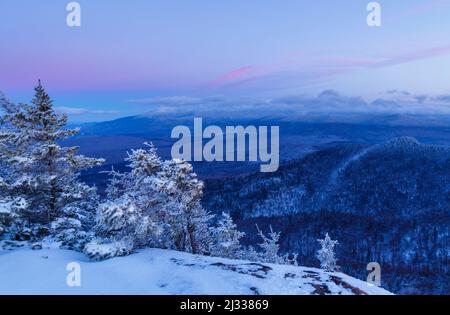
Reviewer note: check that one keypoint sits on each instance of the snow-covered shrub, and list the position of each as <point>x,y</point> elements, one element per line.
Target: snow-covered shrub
<point>251,254</point>
<point>270,250</point>
<point>100,250</point>
<point>326,254</point>
<point>70,233</point>
<point>121,219</point>
<point>226,238</point>
<point>65,224</point>
<point>10,210</point>
<point>20,230</point>
<point>117,218</point>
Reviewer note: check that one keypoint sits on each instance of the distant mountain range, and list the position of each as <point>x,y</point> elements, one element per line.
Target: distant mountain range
<point>298,135</point>
<point>157,122</point>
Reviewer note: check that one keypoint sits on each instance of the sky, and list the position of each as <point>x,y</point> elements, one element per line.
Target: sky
<point>128,57</point>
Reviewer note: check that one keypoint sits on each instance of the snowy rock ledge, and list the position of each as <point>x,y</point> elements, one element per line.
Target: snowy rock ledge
<point>156,271</point>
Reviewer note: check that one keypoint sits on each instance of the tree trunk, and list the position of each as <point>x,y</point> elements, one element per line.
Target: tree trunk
<point>191,231</point>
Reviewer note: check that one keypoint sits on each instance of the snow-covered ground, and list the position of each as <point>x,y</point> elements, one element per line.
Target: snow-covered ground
<point>156,271</point>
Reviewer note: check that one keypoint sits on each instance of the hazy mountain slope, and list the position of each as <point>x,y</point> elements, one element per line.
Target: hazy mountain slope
<point>297,134</point>
<point>155,271</point>
<point>400,177</point>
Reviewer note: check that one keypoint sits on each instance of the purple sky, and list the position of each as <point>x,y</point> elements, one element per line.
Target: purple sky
<point>128,54</point>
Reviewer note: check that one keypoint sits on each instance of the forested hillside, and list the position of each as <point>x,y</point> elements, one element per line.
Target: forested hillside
<point>387,203</point>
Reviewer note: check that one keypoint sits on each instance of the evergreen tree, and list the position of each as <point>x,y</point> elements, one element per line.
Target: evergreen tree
<point>41,171</point>
<point>270,246</point>
<point>166,196</point>
<point>189,221</point>
<point>270,250</point>
<point>143,183</point>
<point>133,206</point>
<point>226,238</point>
<point>326,254</point>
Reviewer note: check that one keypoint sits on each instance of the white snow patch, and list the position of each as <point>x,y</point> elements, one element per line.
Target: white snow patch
<point>5,207</point>
<point>156,271</point>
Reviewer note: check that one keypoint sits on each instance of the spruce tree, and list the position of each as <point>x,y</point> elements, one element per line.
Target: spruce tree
<point>133,206</point>
<point>166,197</point>
<point>270,250</point>
<point>189,221</point>
<point>226,238</point>
<point>270,246</point>
<point>41,171</point>
<point>326,254</point>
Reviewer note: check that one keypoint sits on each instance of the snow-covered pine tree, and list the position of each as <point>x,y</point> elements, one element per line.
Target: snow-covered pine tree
<point>44,173</point>
<point>189,221</point>
<point>142,186</point>
<point>326,254</point>
<point>270,246</point>
<point>144,163</point>
<point>165,197</point>
<point>143,183</point>
<point>270,250</point>
<point>133,206</point>
<point>226,238</point>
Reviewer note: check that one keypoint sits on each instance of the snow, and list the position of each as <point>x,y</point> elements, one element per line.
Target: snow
<point>156,271</point>
<point>5,207</point>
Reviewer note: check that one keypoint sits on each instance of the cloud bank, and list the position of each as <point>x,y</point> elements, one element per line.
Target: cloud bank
<point>328,101</point>
<point>75,111</point>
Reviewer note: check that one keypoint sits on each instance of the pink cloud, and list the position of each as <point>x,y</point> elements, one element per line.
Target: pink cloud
<point>314,68</point>
<point>413,56</point>
<point>233,75</point>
